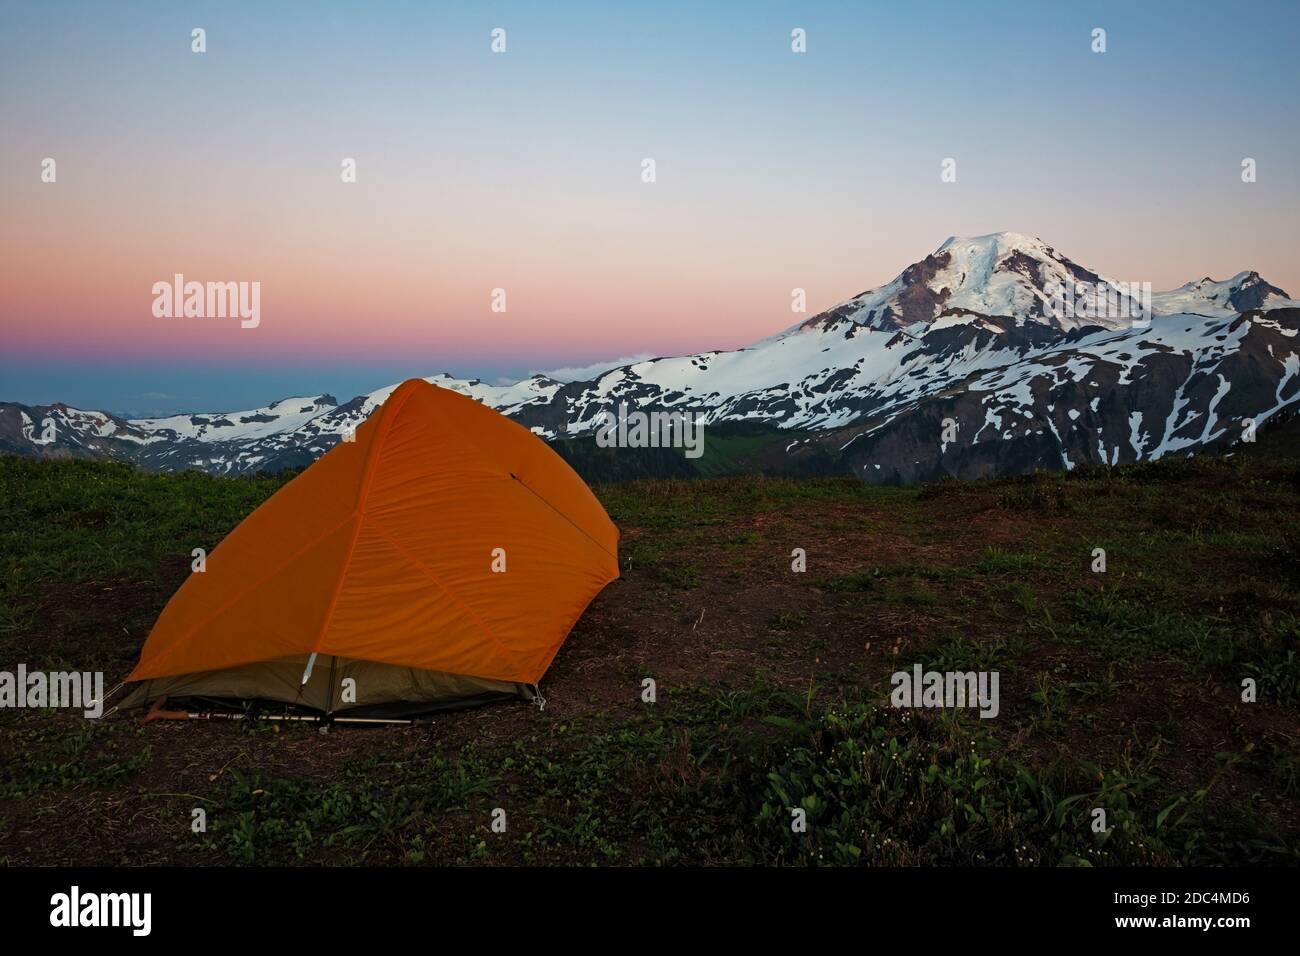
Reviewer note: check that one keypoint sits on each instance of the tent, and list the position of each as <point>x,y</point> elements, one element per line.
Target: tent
<point>439,559</point>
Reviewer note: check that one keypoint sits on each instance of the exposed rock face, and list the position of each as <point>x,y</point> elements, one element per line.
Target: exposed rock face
<point>1105,401</point>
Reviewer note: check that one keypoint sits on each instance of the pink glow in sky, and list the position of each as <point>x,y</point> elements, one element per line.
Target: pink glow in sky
<point>523,171</point>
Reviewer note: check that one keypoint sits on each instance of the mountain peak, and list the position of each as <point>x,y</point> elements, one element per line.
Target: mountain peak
<point>1001,274</point>
<point>1000,242</point>
<point>1220,298</point>
<point>1018,277</point>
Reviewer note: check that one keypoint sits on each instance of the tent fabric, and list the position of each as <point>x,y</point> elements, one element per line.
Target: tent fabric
<point>384,551</point>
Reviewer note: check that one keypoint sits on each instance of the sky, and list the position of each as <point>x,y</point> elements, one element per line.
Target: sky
<point>523,171</point>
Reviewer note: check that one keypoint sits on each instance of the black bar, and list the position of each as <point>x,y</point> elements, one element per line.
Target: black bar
<point>252,905</point>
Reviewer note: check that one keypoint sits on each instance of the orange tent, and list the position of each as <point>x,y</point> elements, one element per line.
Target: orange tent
<point>441,557</point>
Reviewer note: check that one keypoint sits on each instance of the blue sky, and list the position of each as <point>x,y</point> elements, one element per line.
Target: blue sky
<point>776,170</point>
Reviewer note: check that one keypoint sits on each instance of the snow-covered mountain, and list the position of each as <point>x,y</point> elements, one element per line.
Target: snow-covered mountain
<point>285,434</point>
<point>1242,293</point>
<point>1006,274</point>
<point>972,337</point>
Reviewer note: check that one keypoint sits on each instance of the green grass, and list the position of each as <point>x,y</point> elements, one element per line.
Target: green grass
<point>72,521</point>
<point>683,577</point>
<point>889,788</point>
<point>1000,561</point>
<point>676,504</point>
<point>1198,595</point>
<point>715,778</point>
<point>958,652</point>
<point>1134,625</point>
<point>54,758</point>
<point>274,820</point>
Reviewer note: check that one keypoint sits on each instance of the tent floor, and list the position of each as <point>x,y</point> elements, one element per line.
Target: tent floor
<point>325,686</point>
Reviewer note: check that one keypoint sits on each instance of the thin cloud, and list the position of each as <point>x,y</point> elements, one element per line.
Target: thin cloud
<point>582,373</point>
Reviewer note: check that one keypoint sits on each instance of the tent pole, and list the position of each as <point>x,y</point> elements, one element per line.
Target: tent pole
<point>156,712</point>
<point>329,700</point>
<point>296,718</point>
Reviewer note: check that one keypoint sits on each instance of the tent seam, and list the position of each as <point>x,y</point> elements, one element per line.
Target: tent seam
<point>359,513</point>
<point>555,648</point>
<point>579,528</point>
<point>260,581</point>
<point>427,572</point>
<point>372,455</point>
<point>489,453</point>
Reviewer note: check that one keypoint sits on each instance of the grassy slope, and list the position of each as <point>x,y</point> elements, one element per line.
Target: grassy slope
<point>1119,690</point>
<point>734,449</point>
